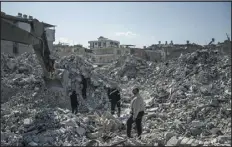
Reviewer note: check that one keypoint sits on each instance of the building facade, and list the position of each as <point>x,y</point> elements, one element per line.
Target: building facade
<point>103,42</point>
<point>103,56</point>
<point>13,48</point>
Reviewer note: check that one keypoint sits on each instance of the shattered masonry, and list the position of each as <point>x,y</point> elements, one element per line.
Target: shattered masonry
<point>188,101</point>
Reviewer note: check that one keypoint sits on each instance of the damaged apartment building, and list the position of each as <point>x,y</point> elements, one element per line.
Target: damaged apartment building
<point>101,51</point>
<point>104,51</point>
<point>167,51</point>
<point>15,49</point>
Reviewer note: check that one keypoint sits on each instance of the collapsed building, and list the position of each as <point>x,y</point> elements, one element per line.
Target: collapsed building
<point>105,53</point>
<point>188,101</point>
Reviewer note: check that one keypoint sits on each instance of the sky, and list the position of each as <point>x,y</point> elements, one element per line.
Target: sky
<point>137,23</point>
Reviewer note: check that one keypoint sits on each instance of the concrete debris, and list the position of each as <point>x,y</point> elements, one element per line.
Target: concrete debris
<point>169,135</point>
<point>172,141</point>
<point>187,101</point>
<point>184,95</point>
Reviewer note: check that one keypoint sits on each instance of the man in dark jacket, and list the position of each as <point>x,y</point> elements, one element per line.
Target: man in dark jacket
<point>74,102</point>
<point>114,96</point>
<point>84,86</point>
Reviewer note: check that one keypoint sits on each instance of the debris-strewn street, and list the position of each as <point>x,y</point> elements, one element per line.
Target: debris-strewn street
<point>188,101</point>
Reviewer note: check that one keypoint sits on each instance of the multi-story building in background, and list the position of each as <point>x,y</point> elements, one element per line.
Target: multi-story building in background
<point>107,55</point>
<point>105,51</point>
<point>103,42</point>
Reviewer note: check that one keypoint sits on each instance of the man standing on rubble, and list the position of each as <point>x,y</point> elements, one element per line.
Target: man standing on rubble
<point>137,112</point>
<point>115,99</point>
<point>74,102</point>
<point>84,86</point>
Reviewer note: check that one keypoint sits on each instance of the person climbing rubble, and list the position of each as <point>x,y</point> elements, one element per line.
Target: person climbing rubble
<point>115,99</point>
<point>74,102</point>
<point>137,112</point>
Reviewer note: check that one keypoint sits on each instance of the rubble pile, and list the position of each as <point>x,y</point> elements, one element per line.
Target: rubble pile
<point>188,101</point>
<point>74,67</point>
<point>126,68</point>
<point>34,115</point>
<point>31,121</point>
<point>20,73</point>
<point>189,96</point>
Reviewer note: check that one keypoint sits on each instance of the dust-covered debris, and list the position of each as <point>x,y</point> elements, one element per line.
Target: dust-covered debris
<point>188,101</point>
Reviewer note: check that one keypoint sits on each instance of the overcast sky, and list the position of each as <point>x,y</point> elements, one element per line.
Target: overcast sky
<point>139,23</point>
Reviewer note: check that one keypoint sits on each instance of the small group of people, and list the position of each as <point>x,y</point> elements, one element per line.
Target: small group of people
<point>137,107</point>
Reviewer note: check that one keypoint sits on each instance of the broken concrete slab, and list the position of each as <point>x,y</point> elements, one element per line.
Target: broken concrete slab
<point>172,141</point>
<point>169,89</point>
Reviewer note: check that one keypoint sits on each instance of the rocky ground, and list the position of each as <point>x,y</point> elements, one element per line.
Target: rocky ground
<point>188,101</point>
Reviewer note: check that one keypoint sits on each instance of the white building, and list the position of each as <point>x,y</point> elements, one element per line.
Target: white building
<point>103,43</point>
<point>13,48</point>
<point>101,56</point>
<point>105,51</point>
